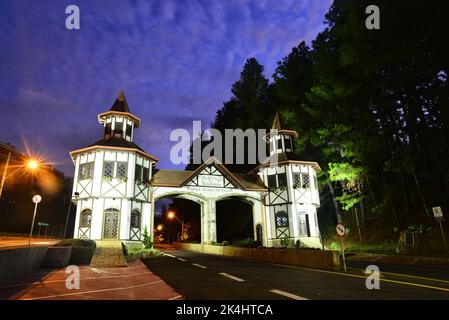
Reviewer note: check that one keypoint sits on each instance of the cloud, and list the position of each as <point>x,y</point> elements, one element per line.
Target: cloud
<point>176,61</point>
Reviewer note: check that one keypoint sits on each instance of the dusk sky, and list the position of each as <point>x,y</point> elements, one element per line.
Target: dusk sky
<point>175,60</point>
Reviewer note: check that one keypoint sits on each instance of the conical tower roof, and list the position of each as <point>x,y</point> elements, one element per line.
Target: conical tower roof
<point>120,103</point>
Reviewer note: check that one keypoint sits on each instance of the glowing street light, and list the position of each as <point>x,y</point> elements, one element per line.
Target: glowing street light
<point>159,227</point>
<point>31,164</point>
<point>172,215</point>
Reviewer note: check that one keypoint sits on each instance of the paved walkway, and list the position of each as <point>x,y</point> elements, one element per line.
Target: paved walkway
<point>135,282</point>
<point>108,254</point>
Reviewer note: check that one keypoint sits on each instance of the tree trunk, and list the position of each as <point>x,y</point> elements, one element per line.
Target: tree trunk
<point>358,224</point>
<point>418,186</point>
<point>393,210</point>
<point>337,209</point>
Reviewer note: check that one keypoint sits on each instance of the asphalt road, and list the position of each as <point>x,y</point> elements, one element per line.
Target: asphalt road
<point>200,276</point>
<point>17,242</point>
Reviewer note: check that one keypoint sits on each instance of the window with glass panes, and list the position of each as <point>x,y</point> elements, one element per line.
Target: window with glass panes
<point>122,169</point>
<point>138,173</point>
<point>108,169</point>
<point>281,219</point>
<point>305,180</point>
<point>297,180</point>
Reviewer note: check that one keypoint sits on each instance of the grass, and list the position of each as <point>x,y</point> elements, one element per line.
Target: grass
<point>82,250</point>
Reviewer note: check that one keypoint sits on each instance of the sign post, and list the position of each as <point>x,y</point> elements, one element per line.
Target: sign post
<point>341,232</point>
<point>36,199</point>
<point>438,215</point>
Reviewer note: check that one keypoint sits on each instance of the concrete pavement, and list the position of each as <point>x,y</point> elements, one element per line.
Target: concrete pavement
<point>201,276</point>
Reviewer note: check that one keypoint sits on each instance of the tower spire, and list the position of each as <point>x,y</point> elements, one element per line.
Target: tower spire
<point>120,104</point>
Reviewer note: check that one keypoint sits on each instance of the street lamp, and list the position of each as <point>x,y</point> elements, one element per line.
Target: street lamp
<point>31,164</point>
<point>76,195</point>
<point>172,215</point>
<point>159,227</point>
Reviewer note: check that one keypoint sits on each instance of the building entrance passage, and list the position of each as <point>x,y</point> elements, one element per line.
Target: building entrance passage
<point>110,224</point>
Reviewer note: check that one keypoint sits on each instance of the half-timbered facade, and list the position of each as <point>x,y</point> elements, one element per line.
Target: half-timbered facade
<point>116,185</point>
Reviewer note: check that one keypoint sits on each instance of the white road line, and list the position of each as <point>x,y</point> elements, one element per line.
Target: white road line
<point>169,255</point>
<point>224,274</point>
<point>92,291</point>
<point>199,265</point>
<point>175,298</point>
<point>181,259</point>
<point>287,294</point>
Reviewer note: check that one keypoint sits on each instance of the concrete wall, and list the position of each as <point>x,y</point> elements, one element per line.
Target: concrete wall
<point>326,260</point>
<point>20,261</point>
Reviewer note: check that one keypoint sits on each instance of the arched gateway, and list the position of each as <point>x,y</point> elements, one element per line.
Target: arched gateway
<point>117,184</point>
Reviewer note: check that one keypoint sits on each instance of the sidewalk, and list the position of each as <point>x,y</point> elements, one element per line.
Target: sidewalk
<point>135,282</point>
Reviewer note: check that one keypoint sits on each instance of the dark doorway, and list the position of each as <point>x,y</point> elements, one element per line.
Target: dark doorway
<point>234,220</point>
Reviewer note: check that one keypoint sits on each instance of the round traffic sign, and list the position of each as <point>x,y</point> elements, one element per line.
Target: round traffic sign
<point>37,198</point>
<point>341,230</point>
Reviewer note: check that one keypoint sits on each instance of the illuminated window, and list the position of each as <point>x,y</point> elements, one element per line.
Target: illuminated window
<point>108,169</point>
<point>281,219</point>
<point>85,218</point>
<point>121,169</point>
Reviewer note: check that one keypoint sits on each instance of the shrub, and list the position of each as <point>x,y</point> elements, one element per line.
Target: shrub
<point>133,253</point>
<point>246,243</point>
<point>148,244</point>
<point>82,250</point>
<point>225,243</point>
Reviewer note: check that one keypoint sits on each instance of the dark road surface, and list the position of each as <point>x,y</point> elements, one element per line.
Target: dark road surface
<point>201,276</point>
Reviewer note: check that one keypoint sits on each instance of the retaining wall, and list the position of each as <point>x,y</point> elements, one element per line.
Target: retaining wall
<point>317,259</point>
<point>20,261</point>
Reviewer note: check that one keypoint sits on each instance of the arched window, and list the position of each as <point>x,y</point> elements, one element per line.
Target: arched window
<point>86,218</point>
<point>135,219</point>
<point>281,219</point>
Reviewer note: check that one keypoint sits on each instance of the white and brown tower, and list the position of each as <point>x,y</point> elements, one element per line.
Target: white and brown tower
<point>112,180</point>
<point>293,195</point>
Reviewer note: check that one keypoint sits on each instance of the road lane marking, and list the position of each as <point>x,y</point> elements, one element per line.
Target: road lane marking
<point>169,255</point>
<point>384,280</point>
<point>364,277</point>
<point>224,274</point>
<point>176,298</point>
<point>181,259</point>
<point>91,291</point>
<point>287,294</point>
<point>199,265</point>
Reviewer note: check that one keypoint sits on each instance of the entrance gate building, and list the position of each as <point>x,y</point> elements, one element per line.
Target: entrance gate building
<point>117,184</point>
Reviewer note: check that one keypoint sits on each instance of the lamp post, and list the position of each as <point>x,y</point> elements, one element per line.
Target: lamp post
<point>172,215</point>
<point>36,199</point>
<point>75,199</point>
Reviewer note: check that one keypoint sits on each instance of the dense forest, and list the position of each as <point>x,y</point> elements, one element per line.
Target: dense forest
<point>371,107</point>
